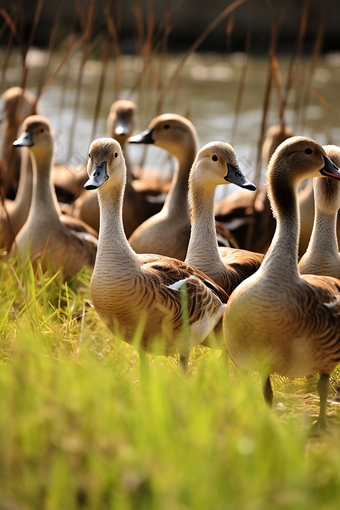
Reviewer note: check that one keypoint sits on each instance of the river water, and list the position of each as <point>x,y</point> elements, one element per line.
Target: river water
<point>206,91</point>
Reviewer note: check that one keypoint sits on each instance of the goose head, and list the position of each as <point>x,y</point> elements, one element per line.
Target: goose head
<point>299,158</point>
<point>215,164</point>
<point>274,137</point>
<point>327,191</point>
<point>37,135</point>
<point>17,105</point>
<point>121,120</point>
<point>171,132</point>
<point>106,165</point>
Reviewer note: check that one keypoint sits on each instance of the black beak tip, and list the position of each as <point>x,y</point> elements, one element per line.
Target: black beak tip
<point>89,187</point>
<point>251,187</point>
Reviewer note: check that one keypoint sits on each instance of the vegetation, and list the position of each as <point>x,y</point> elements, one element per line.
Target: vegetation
<point>78,430</point>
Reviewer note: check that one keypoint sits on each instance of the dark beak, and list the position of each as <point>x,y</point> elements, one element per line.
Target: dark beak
<point>144,137</point>
<point>235,176</point>
<point>98,176</point>
<point>122,128</point>
<point>25,140</point>
<point>330,170</point>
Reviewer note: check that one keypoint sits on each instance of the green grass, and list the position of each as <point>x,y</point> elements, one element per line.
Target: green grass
<point>78,430</point>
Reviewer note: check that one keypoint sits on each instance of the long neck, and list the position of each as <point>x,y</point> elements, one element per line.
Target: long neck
<point>23,197</point>
<point>282,256</point>
<point>203,248</point>
<point>7,151</point>
<point>323,242</point>
<point>44,201</point>
<point>176,203</point>
<point>114,251</point>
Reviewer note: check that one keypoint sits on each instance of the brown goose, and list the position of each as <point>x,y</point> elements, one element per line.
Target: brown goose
<point>322,255</point>
<point>142,292</point>
<point>168,232</point>
<point>67,247</point>
<point>215,164</point>
<point>276,320</point>
<point>17,104</point>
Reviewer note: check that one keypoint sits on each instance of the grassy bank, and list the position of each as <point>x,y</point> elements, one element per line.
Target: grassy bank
<point>78,431</point>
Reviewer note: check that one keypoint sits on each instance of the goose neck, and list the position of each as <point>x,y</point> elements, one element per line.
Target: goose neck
<point>44,200</point>
<point>323,240</point>
<point>114,251</point>
<point>176,203</point>
<point>282,256</point>
<point>203,248</point>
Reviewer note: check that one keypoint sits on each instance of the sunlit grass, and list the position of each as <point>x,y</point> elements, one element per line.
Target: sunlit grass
<point>79,431</point>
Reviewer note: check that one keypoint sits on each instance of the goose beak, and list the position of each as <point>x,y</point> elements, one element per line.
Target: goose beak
<point>98,176</point>
<point>235,176</point>
<point>25,140</point>
<point>144,137</point>
<point>330,169</point>
<point>122,128</point>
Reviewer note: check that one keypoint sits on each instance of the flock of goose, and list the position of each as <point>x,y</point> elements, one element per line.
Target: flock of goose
<point>165,272</point>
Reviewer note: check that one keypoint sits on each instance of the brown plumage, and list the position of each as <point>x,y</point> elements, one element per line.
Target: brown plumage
<point>322,255</point>
<point>168,232</point>
<point>142,293</point>
<point>276,320</point>
<point>216,164</point>
<point>67,248</point>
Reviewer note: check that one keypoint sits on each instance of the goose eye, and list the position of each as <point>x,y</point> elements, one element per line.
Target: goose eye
<point>166,126</point>
<point>116,154</point>
<point>308,151</point>
<point>41,130</point>
<point>214,157</point>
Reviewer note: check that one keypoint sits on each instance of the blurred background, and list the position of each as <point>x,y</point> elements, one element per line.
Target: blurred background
<point>233,68</point>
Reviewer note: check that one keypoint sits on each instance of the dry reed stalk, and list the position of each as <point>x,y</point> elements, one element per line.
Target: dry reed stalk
<point>199,41</point>
<point>229,30</point>
<point>315,58</point>
<point>242,81</point>
<point>272,51</point>
<point>299,61</point>
<point>100,87</point>
<point>113,31</point>
<point>87,38</point>
<point>50,49</point>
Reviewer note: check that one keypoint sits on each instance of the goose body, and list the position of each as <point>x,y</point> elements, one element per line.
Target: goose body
<point>322,255</point>
<point>215,164</point>
<point>143,292</point>
<point>168,232</point>
<point>67,247</point>
<point>276,320</point>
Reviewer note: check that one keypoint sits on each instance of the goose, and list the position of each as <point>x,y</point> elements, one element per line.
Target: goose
<point>136,208</point>
<point>13,213</point>
<point>69,244</point>
<point>322,255</point>
<point>168,232</point>
<point>241,211</point>
<point>215,164</point>
<point>276,320</point>
<point>17,104</point>
<point>143,292</point>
